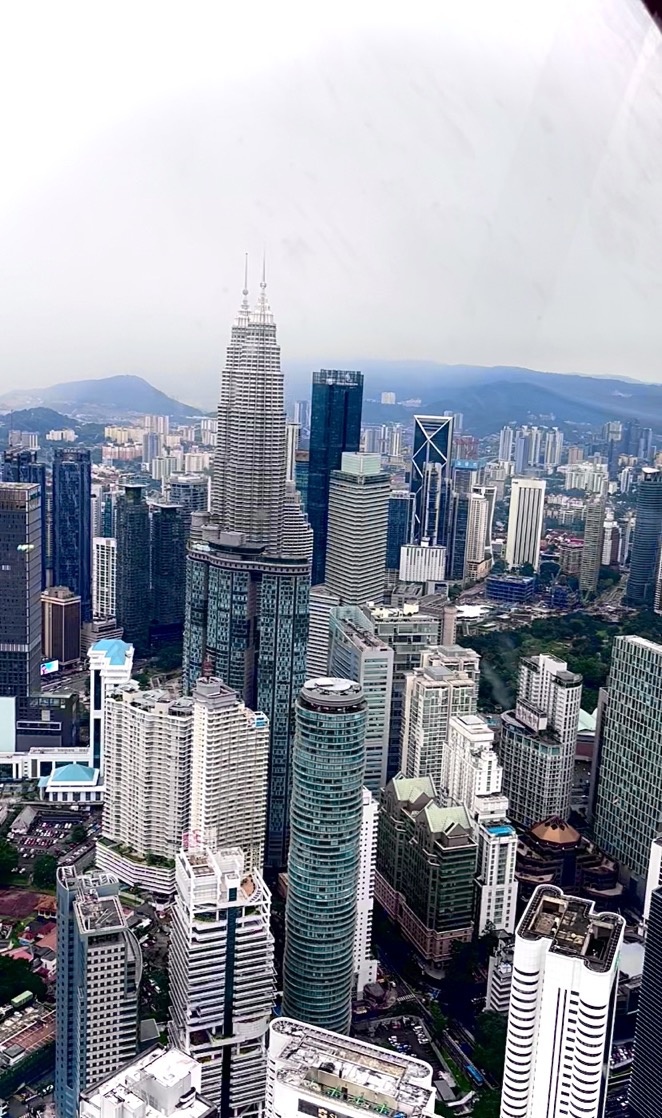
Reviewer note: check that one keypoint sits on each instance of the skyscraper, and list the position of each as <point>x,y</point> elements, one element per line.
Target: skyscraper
<point>644,1090</point>
<point>20,589</point>
<point>133,598</point>
<point>646,544</point>
<point>323,866</point>
<point>562,1007</point>
<point>229,771</point>
<point>357,525</point>
<point>248,571</point>
<point>553,448</point>
<point>72,527</point>
<point>60,625</point>
<point>365,966</point>
<point>538,740</point>
<point>594,531</point>
<point>434,693</point>
<point>191,491</point>
<point>506,443</point>
<point>104,576</point>
<point>525,522</point>
<point>430,478</point>
<point>22,465</point>
<point>397,531</point>
<point>221,966</point>
<point>111,664</point>
<point>98,977</point>
<point>168,535</point>
<point>629,788</point>
<point>335,427</point>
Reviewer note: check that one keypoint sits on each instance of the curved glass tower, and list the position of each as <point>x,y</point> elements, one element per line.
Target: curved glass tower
<point>325,827</point>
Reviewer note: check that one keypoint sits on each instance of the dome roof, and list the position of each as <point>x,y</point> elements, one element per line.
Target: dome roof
<point>556,831</point>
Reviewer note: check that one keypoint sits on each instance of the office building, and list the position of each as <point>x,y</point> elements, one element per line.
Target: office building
<point>644,1087</point>
<point>104,577</point>
<point>169,526</point>
<point>365,966</point>
<point>430,478</point>
<point>322,603</point>
<point>538,740</point>
<point>594,531</point>
<point>21,464</point>
<point>562,1004</point>
<point>301,465</point>
<point>248,569</point>
<point>356,539</point>
<point>629,780</point>
<point>20,589</point>
<point>356,653</point>
<point>426,866</point>
<point>133,595</point>
<point>422,563</point>
<point>111,665</point>
<point>221,966</point>
<point>611,543</point>
<point>325,853</point>
<point>72,528</point>
<point>434,692</point>
<point>161,1083</point>
<point>191,491</point>
<point>511,589</point>
<point>506,443</point>
<point>230,757</point>
<point>335,428</point>
<point>147,776</point>
<point>646,543</point>
<point>397,526</point>
<point>98,978</point>
<point>60,625</point>
<point>570,556</point>
<point>310,1068</point>
<point>525,522</point>
<point>554,853</point>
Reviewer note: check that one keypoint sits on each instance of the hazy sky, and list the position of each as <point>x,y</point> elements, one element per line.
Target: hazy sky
<point>477,182</point>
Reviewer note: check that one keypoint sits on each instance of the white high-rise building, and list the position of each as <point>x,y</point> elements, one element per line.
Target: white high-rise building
<point>321,604</point>
<point>434,692</point>
<point>148,739</point>
<point>230,758</point>
<point>538,740</point>
<point>365,967</point>
<point>506,443</point>
<point>355,652</point>
<point>291,447</point>
<point>111,664</point>
<point>221,968</point>
<point>358,521</point>
<point>312,1070</point>
<point>104,576</point>
<point>472,776</point>
<point>422,563</point>
<point>525,522</point>
<point>553,448</point>
<point>562,1006</point>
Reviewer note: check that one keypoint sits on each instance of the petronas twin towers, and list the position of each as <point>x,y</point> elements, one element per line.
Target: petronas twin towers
<point>248,567</point>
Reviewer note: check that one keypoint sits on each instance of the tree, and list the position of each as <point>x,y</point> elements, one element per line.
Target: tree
<point>8,861</point>
<point>16,976</point>
<point>490,1049</point>
<point>78,833</point>
<point>487,1106</point>
<point>528,570</point>
<point>44,871</point>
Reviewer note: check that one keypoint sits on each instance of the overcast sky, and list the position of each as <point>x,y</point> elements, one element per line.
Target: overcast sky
<point>474,182</point>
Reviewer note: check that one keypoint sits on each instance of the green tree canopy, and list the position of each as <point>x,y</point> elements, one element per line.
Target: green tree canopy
<point>8,860</point>
<point>16,976</point>
<point>44,871</point>
<point>490,1049</point>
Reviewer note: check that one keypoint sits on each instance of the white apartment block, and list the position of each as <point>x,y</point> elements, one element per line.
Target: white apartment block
<point>525,522</point>
<point>104,576</point>
<point>538,740</point>
<point>321,603</point>
<point>356,653</point>
<point>111,664</point>
<point>316,1072</point>
<point>433,694</point>
<point>422,563</point>
<point>148,748</point>
<point>365,967</point>
<point>562,1001</point>
<point>222,975</point>
<point>159,1084</point>
<point>230,758</point>
<point>358,521</point>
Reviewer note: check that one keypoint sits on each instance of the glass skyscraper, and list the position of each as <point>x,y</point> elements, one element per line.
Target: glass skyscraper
<point>20,590</point>
<point>430,481</point>
<point>323,866</point>
<point>22,465</point>
<point>397,532</point>
<point>169,532</point>
<point>133,596</point>
<point>72,529</point>
<point>335,427</point>
<point>647,534</point>
<point>248,567</point>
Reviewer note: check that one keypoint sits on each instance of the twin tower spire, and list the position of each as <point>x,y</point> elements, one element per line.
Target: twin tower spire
<point>261,315</point>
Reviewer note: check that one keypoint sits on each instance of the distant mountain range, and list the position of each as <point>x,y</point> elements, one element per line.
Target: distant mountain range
<point>111,398</point>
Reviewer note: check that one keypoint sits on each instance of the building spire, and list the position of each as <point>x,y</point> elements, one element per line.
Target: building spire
<point>262,313</point>
<point>244,310</point>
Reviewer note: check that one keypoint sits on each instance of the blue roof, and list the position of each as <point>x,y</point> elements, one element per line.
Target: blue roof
<point>115,650</point>
<point>74,774</point>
